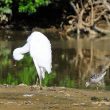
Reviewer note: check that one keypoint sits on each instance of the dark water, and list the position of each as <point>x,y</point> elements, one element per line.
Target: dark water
<point>64,71</point>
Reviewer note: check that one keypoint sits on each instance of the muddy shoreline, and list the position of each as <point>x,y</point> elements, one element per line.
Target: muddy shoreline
<point>52,98</point>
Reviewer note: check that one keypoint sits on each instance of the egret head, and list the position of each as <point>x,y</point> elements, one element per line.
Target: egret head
<point>17,55</point>
<point>87,84</point>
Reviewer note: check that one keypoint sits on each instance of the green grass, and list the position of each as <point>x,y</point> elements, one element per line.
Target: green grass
<point>49,79</point>
<point>67,82</point>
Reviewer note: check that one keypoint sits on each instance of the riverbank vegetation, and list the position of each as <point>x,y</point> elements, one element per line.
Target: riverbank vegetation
<point>71,15</point>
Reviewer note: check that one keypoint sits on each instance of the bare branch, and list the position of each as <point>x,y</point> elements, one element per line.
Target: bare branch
<point>106,4</point>
<point>96,19</point>
<point>72,4</point>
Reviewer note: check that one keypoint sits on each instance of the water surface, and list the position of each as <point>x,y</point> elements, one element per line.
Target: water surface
<point>63,53</point>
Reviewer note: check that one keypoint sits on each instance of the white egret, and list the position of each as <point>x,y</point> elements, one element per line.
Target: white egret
<point>39,48</point>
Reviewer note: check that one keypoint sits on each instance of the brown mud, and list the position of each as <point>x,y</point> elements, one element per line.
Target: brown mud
<point>52,98</point>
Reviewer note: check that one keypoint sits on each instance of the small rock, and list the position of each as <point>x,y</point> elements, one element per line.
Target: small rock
<point>27,102</point>
<point>95,103</point>
<point>68,95</point>
<point>107,103</point>
<point>94,98</point>
<point>22,85</point>
<point>76,104</point>
<point>106,99</point>
<point>82,104</point>
<point>28,95</point>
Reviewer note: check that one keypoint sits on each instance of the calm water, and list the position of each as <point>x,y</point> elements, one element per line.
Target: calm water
<point>64,54</point>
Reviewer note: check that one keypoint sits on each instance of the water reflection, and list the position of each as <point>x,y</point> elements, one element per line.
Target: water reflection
<point>65,72</point>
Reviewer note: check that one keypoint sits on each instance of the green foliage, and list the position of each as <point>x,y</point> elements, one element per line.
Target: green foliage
<point>25,6</point>
<point>49,78</point>
<point>67,82</point>
<point>5,7</point>
<point>108,87</point>
<point>4,59</point>
<point>27,75</point>
<point>6,2</point>
<point>10,79</point>
<point>30,6</point>
<point>5,10</point>
<point>27,72</point>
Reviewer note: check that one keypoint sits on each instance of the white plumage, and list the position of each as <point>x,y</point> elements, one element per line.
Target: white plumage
<point>39,48</point>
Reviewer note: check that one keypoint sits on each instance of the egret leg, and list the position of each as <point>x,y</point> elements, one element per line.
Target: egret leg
<point>37,80</point>
<point>43,72</point>
<point>39,72</point>
<point>42,75</point>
